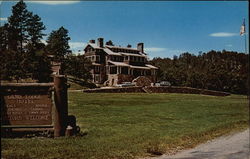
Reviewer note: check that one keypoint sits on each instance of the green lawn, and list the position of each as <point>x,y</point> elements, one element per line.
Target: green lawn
<point>130,125</point>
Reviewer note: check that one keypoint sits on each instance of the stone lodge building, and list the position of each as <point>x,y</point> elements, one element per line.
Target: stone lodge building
<point>112,65</point>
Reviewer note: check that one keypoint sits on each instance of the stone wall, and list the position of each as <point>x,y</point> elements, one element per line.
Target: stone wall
<point>142,81</point>
<point>165,89</point>
<point>116,90</point>
<point>187,90</point>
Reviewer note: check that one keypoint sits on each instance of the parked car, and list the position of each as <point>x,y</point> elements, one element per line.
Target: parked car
<point>163,83</point>
<point>126,84</point>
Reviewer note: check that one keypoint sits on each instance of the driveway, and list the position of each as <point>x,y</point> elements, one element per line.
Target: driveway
<point>234,146</point>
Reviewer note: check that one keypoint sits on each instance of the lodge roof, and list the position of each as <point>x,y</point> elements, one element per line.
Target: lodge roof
<point>119,47</point>
<point>119,63</point>
<point>109,52</point>
<point>151,66</point>
<point>128,54</point>
<point>107,49</point>
<point>147,66</point>
<point>95,46</point>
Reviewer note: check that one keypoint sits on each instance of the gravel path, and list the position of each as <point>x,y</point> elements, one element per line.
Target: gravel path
<point>234,146</point>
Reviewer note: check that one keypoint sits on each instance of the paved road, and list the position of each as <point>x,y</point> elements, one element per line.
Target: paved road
<point>234,146</point>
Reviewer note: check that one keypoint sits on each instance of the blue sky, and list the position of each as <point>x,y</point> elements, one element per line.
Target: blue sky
<point>166,28</point>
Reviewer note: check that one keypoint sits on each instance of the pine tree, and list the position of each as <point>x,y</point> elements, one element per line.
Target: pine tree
<point>3,38</point>
<point>18,26</point>
<point>58,44</point>
<point>34,28</point>
<point>33,56</point>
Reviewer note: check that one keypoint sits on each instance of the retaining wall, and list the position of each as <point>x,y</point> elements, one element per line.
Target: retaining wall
<point>187,90</point>
<point>165,89</point>
<point>116,90</point>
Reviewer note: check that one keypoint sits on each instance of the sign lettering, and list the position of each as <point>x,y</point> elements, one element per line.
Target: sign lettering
<point>23,109</point>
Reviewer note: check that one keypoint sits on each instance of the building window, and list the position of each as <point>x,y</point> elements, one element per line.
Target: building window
<point>126,58</point>
<point>124,70</point>
<point>97,68</point>
<point>148,72</point>
<point>97,78</point>
<point>140,59</point>
<point>136,59</point>
<point>132,58</point>
<point>97,58</point>
<point>113,70</point>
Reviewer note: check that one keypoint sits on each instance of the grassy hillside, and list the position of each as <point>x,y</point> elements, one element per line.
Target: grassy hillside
<point>135,125</point>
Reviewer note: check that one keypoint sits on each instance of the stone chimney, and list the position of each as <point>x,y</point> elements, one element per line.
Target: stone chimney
<point>92,41</point>
<point>100,42</point>
<point>129,46</point>
<point>140,47</point>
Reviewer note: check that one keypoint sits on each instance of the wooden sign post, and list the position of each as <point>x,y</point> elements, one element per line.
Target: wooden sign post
<point>29,106</point>
<point>61,105</point>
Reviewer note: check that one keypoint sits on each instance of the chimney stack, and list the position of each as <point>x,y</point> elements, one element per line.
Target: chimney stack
<point>140,47</point>
<point>92,41</point>
<point>100,42</point>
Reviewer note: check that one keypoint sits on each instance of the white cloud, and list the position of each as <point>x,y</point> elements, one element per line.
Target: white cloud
<point>81,52</point>
<point>43,41</point>
<point>223,34</point>
<point>54,2</point>
<point>3,19</point>
<point>77,45</point>
<point>154,49</point>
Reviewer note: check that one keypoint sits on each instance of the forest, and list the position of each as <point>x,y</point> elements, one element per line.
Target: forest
<point>215,70</point>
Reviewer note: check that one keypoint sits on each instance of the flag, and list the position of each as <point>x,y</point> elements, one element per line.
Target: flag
<point>243,28</point>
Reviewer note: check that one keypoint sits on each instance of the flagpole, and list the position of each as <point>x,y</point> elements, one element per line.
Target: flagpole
<point>245,43</point>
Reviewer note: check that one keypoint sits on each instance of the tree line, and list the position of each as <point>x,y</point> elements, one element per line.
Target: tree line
<point>215,70</point>
<point>23,55</point>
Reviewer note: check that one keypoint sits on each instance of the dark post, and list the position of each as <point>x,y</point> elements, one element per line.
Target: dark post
<point>61,105</point>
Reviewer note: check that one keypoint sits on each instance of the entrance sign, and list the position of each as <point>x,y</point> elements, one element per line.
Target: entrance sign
<point>26,104</point>
<point>30,105</point>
